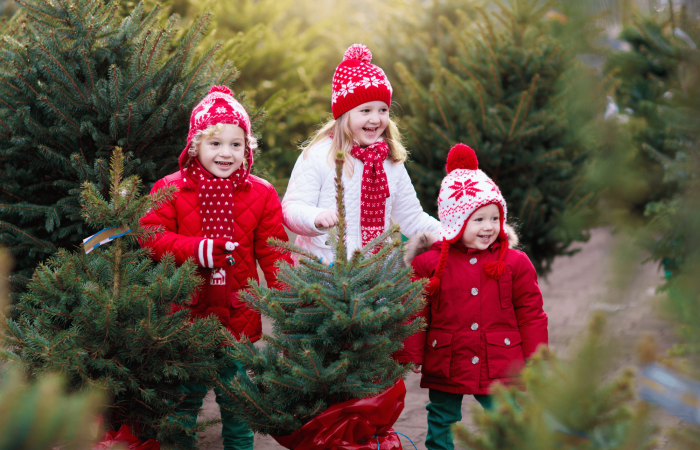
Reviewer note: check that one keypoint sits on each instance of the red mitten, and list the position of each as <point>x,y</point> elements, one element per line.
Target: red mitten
<point>213,253</point>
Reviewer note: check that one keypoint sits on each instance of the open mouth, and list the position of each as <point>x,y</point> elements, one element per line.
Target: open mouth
<point>370,129</point>
<point>223,165</point>
<point>484,237</point>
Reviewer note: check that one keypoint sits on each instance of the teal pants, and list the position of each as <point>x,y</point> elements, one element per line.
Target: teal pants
<point>236,434</point>
<point>444,410</point>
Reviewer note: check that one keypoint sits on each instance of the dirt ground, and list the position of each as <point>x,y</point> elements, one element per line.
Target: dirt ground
<point>577,286</point>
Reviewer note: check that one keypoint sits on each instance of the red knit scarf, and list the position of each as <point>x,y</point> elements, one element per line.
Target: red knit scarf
<point>215,199</point>
<point>374,189</point>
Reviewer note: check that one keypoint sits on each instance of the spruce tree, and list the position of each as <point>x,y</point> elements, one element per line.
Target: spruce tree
<point>108,319</point>
<point>499,95</point>
<point>335,330</point>
<point>567,405</point>
<point>76,80</point>
<point>39,415</point>
<point>647,78</point>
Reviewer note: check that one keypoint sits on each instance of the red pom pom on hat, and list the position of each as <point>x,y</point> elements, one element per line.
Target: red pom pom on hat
<point>461,157</point>
<point>358,52</point>
<point>223,89</point>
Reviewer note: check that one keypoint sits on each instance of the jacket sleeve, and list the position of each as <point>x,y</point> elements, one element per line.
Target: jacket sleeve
<point>407,211</point>
<point>168,241</point>
<point>270,225</point>
<point>527,301</point>
<point>300,203</point>
<point>413,347</point>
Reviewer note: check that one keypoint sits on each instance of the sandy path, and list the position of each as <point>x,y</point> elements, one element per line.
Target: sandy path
<point>577,286</point>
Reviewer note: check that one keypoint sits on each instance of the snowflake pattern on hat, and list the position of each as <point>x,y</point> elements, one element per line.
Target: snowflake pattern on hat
<point>356,81</point>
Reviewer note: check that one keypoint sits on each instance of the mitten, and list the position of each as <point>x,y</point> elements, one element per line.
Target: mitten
<point>213,253</point>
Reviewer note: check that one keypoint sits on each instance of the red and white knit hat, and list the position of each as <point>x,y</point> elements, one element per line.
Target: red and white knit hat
<point>356,81</point>
<point>464,190</point>
<point>218,106</point>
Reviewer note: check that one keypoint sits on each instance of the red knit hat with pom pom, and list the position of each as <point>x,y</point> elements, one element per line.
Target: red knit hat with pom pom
<point>464,190</point>
<point>356,81</point>
<point>218,106</point>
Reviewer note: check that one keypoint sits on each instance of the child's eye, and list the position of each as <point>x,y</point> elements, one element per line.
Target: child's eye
<point>214,143</point>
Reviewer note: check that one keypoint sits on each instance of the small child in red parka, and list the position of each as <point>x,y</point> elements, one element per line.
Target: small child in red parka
<point>484,310</point>
<point>221,217</point>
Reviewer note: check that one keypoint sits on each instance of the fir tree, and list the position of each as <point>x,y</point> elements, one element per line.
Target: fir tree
<point>106,319</point>
<point>335,330</point>
<point>499,95</point>
<point>76,81</point>
<point>567,405</point>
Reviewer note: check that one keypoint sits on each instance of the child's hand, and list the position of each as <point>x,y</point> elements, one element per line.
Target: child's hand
<point>416,368</point>
<point>213,253</point>
<point>326,219</point>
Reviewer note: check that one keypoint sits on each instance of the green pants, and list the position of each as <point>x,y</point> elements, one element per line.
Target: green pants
<point>444,410</point>
<point>236,434</point>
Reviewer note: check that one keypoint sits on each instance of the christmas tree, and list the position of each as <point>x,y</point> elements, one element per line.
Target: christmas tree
<point>287,56</point>
<point>499,95</point>
<point>77,81</point>
<point>335,330</point>
<point>567,405</point>
<point>647,77</point>
<point>105,319</point>
<point>39,416</point>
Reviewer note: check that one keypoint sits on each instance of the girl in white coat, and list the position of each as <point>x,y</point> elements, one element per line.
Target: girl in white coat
<point>378,191</point>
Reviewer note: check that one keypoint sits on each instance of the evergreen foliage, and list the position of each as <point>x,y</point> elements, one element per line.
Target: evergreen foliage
<point>499,95</point>
<point>76,81</point>
<point>335,330</point>
<point>287,55</point>
<point>39,416</point>
<point>568,405</point>
<point>106,320</point>
<point>647,78</point>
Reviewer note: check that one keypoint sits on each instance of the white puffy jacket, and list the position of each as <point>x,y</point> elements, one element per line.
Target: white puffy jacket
<point>312,190</point>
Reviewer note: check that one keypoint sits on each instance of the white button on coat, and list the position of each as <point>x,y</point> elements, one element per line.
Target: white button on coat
<point>475,326</point>
<point>472,261</point>
<point>475,360</point>
<point>475,291</point>
<point>434,344</point>
<point>507,341</point>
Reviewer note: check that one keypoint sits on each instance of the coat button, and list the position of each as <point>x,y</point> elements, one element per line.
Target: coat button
<point>434,344</point>
<point>472,261</point>
<point>475,360</point>
<point>475,291</point>
<point>507,341</point>
<point>475,326</point>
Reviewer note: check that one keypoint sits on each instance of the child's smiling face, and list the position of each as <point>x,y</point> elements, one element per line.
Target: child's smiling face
<point>482,227</point>
<point>223,153</point>
<point>368,121</point>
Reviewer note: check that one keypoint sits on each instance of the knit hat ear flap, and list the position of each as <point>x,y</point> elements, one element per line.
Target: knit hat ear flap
<point>434,284</point>
<point>495,269</point>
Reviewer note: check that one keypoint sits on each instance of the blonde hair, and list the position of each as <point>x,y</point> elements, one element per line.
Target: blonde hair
<point>343,140</point>
<point>251,142</point>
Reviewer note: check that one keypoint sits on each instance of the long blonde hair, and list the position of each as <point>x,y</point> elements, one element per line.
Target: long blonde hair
<point>343,139</point>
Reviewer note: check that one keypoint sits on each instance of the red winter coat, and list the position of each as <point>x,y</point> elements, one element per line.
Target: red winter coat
<point>258,216</point>
<point>480,330</point>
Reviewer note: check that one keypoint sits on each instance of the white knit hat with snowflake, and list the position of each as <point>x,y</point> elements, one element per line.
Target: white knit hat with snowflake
<point>464,190</point>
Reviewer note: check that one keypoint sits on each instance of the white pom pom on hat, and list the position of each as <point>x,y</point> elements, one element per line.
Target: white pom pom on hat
<point>358,52</point>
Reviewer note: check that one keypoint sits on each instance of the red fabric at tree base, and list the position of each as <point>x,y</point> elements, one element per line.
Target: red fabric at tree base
<point>354,424</point>
<point>118,439</point>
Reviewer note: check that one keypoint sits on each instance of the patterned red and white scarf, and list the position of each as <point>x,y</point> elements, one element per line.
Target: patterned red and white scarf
<point>374,189</point>
<point>215,199</point>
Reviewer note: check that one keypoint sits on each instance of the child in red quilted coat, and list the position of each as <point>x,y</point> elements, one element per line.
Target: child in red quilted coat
<point>485,315</point>
<point>221,217</point>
